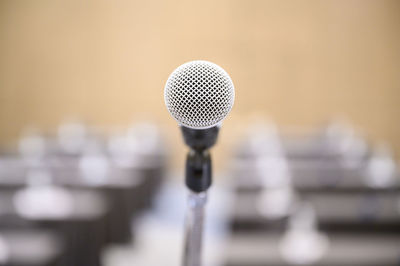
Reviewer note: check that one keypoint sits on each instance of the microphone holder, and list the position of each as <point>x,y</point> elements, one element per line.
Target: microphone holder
<point>198,178</point>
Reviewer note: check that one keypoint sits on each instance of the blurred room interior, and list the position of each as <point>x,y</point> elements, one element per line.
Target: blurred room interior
<point>91,160</point>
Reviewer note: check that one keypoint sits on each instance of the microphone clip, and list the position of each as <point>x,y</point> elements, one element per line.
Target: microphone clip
<point>198,170</point>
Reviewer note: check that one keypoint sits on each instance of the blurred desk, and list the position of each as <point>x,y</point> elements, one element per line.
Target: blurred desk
<point>259,249</point>
<point>79,216</point>
<point>30,248</point>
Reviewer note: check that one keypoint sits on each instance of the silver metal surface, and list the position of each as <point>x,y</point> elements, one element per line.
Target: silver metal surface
<point>194,229</point>
<point>199,94</point>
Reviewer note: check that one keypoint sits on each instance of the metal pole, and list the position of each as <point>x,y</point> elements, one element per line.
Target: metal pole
<point>194,229</point>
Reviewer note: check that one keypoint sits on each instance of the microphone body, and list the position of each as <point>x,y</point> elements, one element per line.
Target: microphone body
<point>199,95</point>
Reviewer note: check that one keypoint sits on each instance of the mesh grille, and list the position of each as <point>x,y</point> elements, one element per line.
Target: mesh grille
<point>199,94</point>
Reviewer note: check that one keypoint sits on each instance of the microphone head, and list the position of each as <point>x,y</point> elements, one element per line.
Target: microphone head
<point>199,94</point>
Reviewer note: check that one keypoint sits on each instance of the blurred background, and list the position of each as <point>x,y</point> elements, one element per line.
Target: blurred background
<point>91,161</point>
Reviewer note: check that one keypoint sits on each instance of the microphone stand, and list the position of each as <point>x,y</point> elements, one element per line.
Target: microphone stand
<point>194,229</point>
<point>198,178</point>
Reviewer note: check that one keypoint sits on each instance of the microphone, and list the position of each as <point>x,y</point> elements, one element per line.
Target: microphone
<point>199,95</point>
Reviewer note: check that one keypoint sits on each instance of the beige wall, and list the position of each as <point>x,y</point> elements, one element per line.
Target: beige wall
<point>298,62</point>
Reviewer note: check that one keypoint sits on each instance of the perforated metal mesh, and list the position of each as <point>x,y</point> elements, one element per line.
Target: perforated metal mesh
<point>199,94</point>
